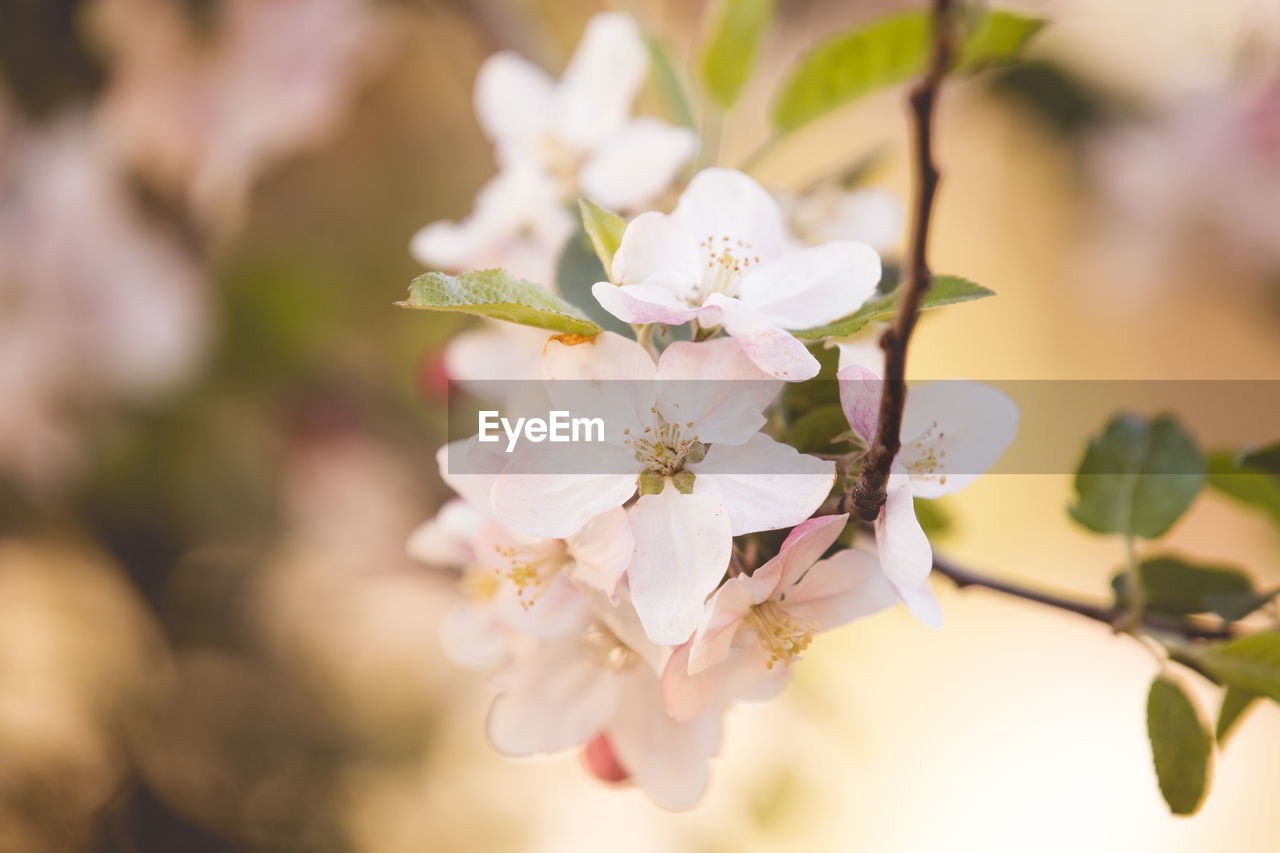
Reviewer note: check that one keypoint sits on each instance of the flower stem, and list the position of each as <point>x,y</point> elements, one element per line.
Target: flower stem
<point>870,491</point>
<point>964,577</point>
<point>1137,588</point>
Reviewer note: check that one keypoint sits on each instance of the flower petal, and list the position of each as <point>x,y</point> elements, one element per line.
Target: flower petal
<point>773,350</point>
<point>554,697</point>
<point>846,586</point>
<point>905,553</point>
<point>860,391</point>
<point>714,386</point>
<point>608,356</point>
<point>805,545</point>
<point>744,674</point>
<point>601,550</point>
<point>470,469</point>
<point>813,286</point>
<point>952,433</point>
<point>763,484</point>
<point>449,538</point>
<point>654,244</point>
<point>604,377</point>
<point>666,758</point>
<point>864,350</point>
<point>721,617</point>
<point>495,351</point>
<point>594,96</point>
<point>556,504</point>
<point>512,99</point>
<point>651,302</point>
<point>637,164</point>
<point>557,612</point>
<point>870,215</point>
<point>472,636</point>
<point>922,603</point>
<point>683,544</point>
<point>727,203</point>
<point>517,223</point>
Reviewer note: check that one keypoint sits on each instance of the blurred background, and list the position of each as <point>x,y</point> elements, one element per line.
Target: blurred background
<point>217,432</point>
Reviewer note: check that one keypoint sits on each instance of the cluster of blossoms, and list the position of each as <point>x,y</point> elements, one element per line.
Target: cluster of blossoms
<point>626,603</point>
<point>104,303</point>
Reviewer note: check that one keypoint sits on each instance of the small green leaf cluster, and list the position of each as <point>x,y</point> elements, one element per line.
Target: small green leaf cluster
<point>1136,480</point>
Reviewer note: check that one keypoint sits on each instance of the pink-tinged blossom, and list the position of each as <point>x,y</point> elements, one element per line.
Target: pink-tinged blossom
<point>518,223</point>
<point>500,363</point>
<point>556,140</point>
<point>512,582</point>
<point>952,432</point>
<point>688,429</point>
<point>756,625</point>
<point>724,257</point>
<point>100,303</point>
<point>828,212</point>
<point>579,130</point>
<point>206,110</point>
<point>598,685</point>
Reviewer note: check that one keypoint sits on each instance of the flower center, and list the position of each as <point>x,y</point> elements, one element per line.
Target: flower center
<point>727,260</point>
<point>562,163</point>
<point>778,633</point>
<point>615,655</point>
<point>925,446</point>
<point>532,570</point>
<point>478,584</point>
<point>664,447</point>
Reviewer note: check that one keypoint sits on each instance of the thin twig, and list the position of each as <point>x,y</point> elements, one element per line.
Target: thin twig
<point>1112,616</point>
<point>870,491</point>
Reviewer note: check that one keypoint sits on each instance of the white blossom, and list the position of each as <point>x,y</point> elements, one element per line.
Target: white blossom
<point>724,257</point>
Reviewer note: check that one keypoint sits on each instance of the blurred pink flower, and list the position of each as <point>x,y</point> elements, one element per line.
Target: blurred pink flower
<point>207,112</point>
<point>98,303</point>
<point>603,681</point>
<point>556,140</point>
<point>1201,182</point>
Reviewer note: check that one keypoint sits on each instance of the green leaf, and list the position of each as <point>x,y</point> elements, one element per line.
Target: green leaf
<point>670,83</point>
<point>1245,484</point>
<point>737,29</point>
<point>495,294</point>
<point>817,430</point>
<point>997,37</point>
<point>577,270</point>
<point>822,390</point>
<point>605,228</point>
<point>1235,702</point>
<point>884,52</point>
<point>1181,746</point>
<point>933,516</point>
<point>1179,588</point>
<point>1234,606</point>
<point>1267,459</point>
<point>1250,663</point>
<point>1138,477</point>
<point>945,290</point>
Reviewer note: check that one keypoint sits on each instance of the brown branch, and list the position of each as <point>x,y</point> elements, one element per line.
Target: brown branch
<point>870,490</point>
<point>1111,616</point>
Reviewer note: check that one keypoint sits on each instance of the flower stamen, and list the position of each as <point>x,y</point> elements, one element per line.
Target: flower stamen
<point>778,633</point>
<point>532,572</point>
